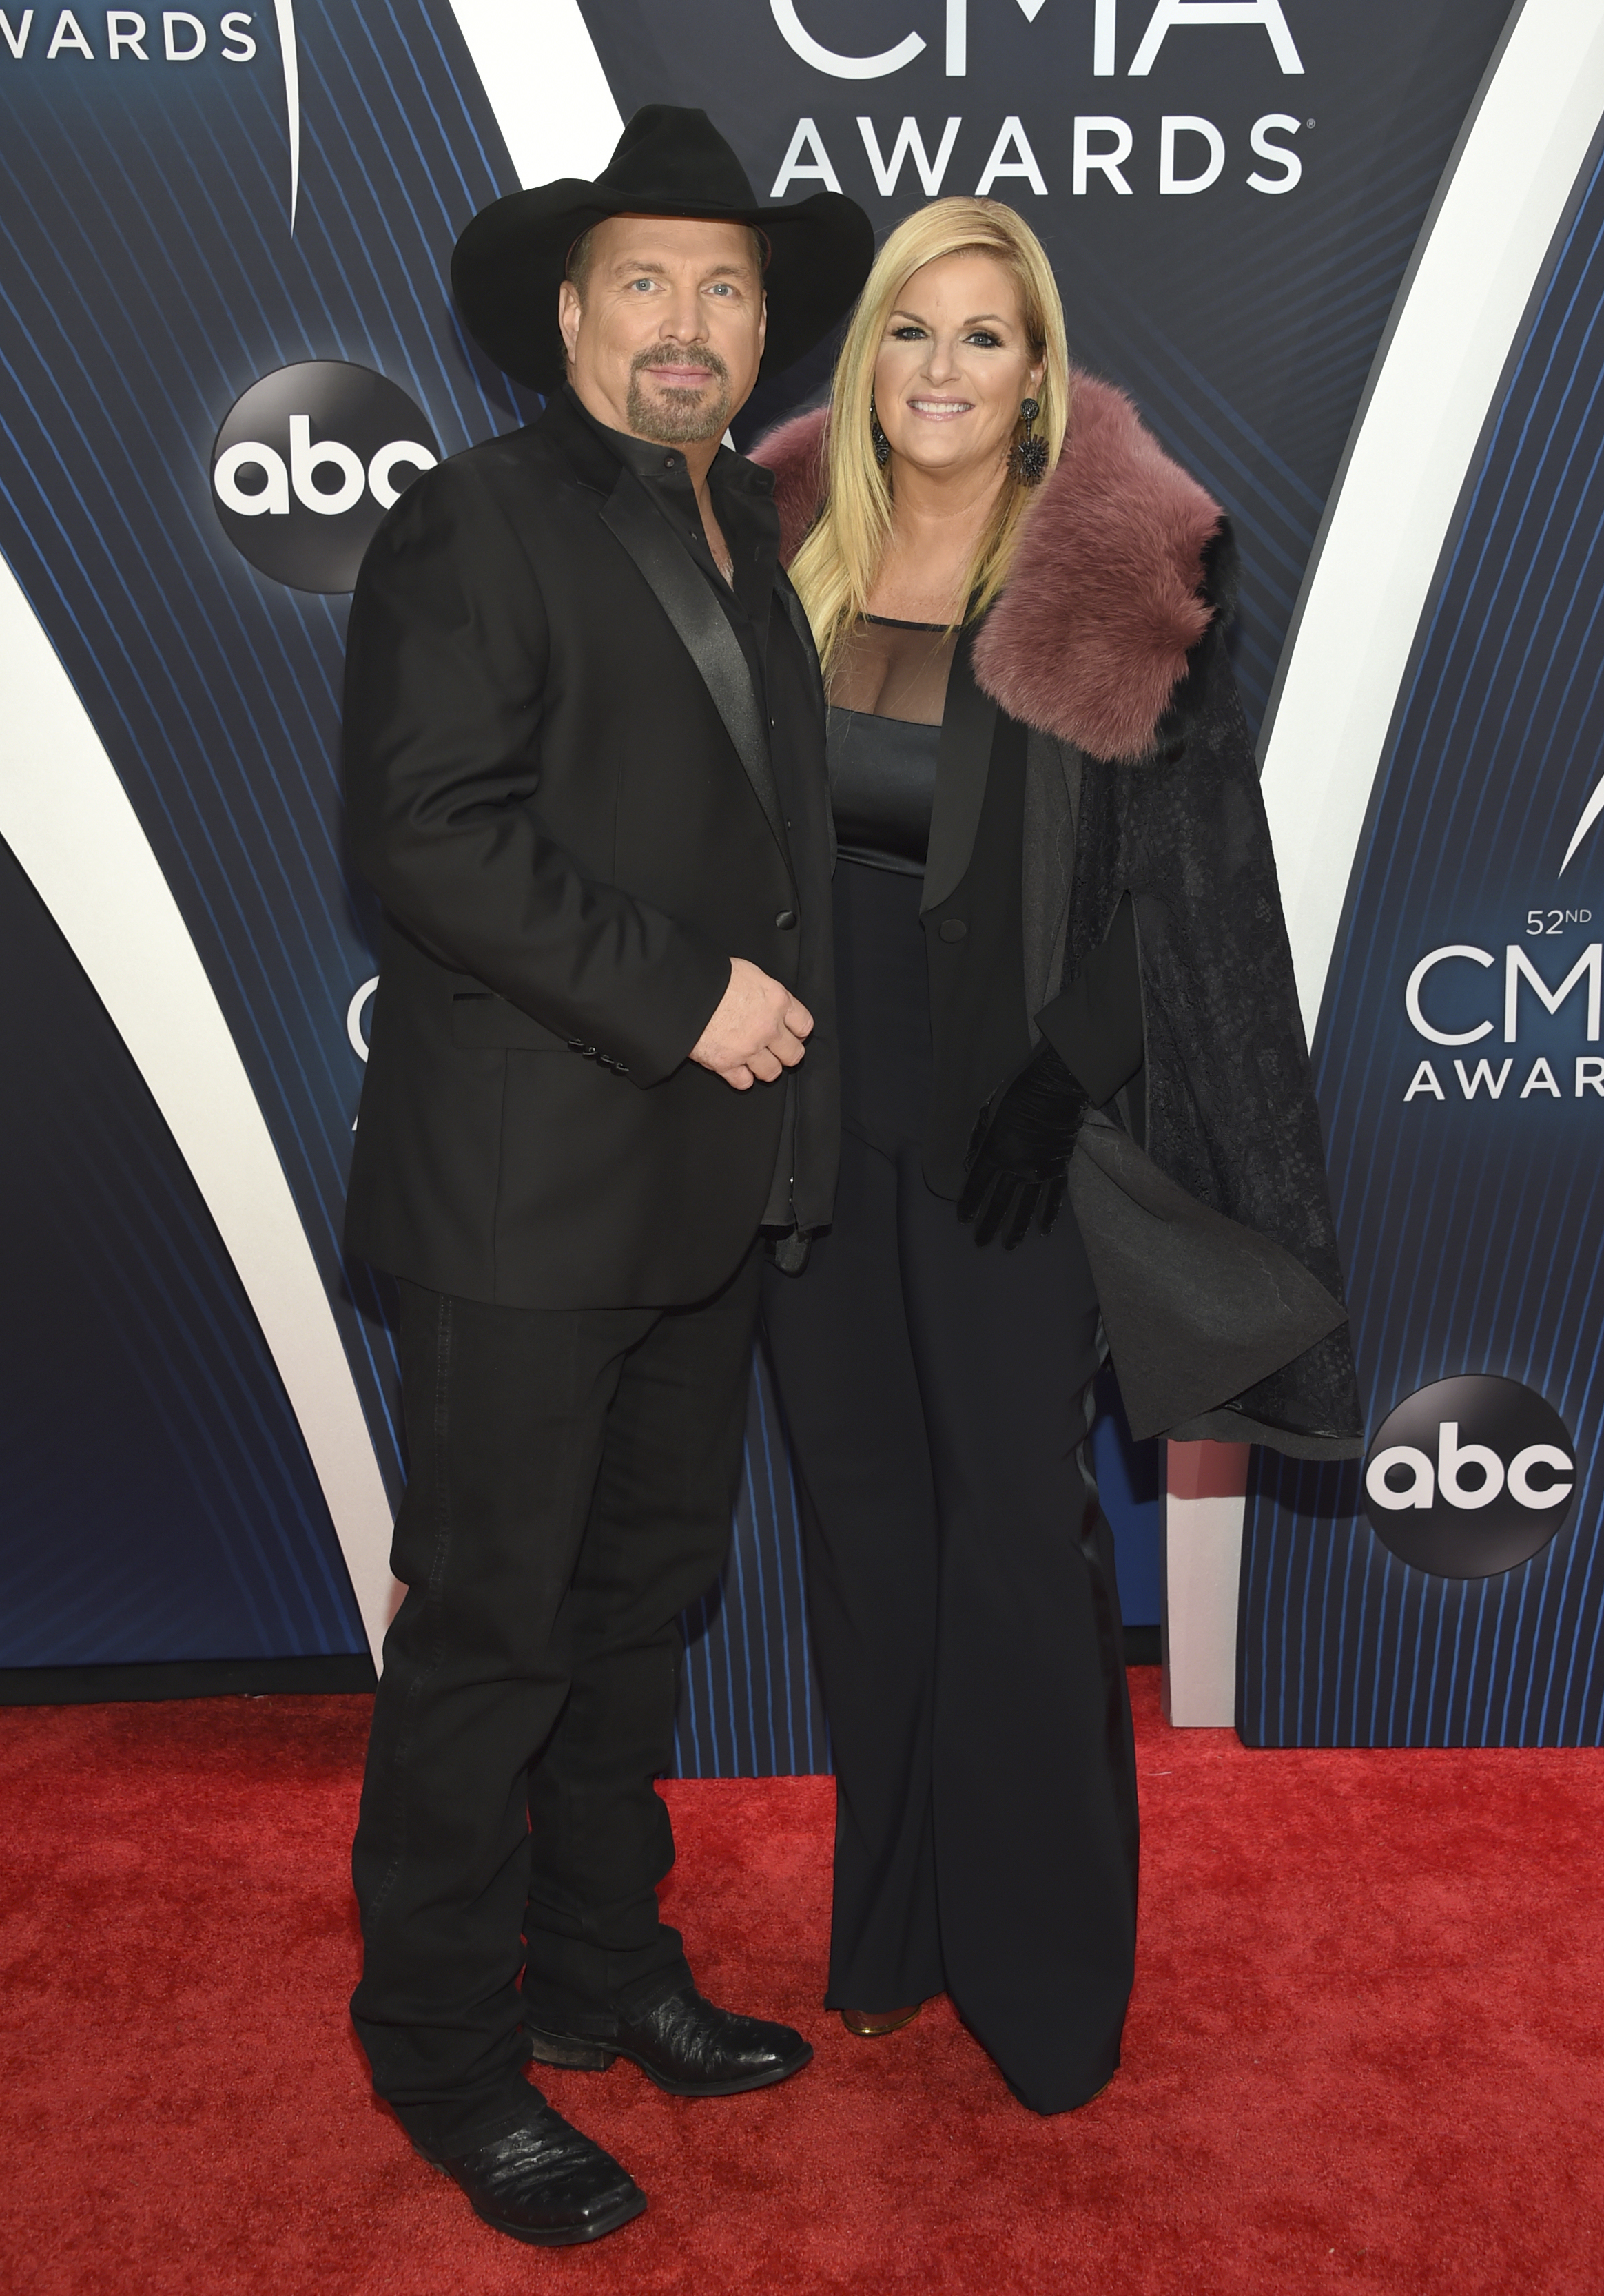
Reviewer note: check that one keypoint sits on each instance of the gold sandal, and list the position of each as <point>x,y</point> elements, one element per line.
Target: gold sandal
<point>874,2024</point>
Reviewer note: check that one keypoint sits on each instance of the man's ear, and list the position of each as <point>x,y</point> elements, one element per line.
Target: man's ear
<point>570,310</point>
<point>763,324</point>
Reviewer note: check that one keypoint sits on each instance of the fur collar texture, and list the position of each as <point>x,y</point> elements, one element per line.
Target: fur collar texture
<point>1115,584</point>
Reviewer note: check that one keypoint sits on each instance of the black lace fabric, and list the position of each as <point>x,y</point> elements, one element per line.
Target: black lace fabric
<point>893,670</point>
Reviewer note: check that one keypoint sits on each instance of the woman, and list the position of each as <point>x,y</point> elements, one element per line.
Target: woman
<point>1057,934</point>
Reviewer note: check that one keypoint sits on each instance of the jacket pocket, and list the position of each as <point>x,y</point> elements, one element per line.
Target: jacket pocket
<point>484,1022</point>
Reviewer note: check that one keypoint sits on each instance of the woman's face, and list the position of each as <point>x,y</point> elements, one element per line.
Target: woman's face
<point>954,364</point>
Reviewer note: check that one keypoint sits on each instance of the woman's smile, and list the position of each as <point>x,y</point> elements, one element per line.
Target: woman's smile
<point>939,410</point>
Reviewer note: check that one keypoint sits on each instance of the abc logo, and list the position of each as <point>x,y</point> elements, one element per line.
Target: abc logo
<point>307,464</point>
<point>1470,1476</point>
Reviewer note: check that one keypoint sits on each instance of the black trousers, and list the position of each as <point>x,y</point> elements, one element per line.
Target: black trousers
<point>960,1573</point>
<point>571,1478</point>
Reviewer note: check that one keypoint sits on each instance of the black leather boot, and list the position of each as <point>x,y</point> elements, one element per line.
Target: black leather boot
<point>541,2181</point>
<point>678,2040</point>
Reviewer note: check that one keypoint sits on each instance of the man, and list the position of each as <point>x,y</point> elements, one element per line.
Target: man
<point>584,761</point>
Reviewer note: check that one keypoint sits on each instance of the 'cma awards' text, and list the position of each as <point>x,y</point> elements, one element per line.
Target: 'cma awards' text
<point>1587,1072</point>
<point>128,37</point>
<point>1191,154</point>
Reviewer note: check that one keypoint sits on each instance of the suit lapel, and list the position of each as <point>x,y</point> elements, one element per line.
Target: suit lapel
<point>962,758</point>
<point>796,615</point>
<point>703,630</point>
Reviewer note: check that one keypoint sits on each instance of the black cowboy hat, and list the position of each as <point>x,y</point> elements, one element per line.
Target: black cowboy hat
<point>669,161</point>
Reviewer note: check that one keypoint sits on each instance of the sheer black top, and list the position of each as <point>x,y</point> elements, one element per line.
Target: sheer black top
<point>888,690</point>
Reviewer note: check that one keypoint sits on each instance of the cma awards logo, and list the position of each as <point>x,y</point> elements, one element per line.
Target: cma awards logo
<point>1440,995</point>
<point>1192,150</point>
<point>306,465</point>
<point>1470,1477</point>
<point>1526,986</point>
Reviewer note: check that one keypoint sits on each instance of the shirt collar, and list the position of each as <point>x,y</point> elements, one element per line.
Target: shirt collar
<point>655,462</point>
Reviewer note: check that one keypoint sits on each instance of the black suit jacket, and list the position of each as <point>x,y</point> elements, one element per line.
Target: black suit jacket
<point>577,801</point>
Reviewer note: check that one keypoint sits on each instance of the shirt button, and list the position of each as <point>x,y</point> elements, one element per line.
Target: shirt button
<point>786,920</point>
<point>952,929</point>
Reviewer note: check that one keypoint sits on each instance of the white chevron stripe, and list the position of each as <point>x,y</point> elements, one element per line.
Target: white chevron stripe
<point>67,817</point>
<point>545,84</point>
<point>1590,814</point>
<point>1458,311</point>
<point>290,55</point>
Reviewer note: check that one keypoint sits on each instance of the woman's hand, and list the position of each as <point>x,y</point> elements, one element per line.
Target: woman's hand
<point>1019,1156</point>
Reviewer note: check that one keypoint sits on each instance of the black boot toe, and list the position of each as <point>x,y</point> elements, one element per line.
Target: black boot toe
<point>543,2182</point>
<point>682,2042</point>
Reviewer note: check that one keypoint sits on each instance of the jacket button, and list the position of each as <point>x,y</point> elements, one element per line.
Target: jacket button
<point>786,920</point>
<point>952,929</point>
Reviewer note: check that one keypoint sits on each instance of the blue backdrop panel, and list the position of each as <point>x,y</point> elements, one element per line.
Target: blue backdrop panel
<point>750,1706</point>
<point>150,272</point>
<point>150,276</point>
<point>1470,1224</point>
<point>159,1500</point>
<point>1130,1478</point>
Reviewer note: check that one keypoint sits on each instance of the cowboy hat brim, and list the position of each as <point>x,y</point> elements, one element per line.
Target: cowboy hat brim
<point>512,259</point>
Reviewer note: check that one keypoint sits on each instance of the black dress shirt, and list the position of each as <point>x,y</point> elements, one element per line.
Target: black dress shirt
<point>748,520</point>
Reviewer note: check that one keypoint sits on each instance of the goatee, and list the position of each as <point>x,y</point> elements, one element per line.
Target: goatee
<point>673,415</point>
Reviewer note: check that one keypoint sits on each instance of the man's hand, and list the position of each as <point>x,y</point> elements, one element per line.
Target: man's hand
<point>758,1030</point>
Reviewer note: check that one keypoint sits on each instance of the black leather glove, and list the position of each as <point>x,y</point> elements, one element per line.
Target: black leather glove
<point>788,1253</point>
<point>1019,1156</point>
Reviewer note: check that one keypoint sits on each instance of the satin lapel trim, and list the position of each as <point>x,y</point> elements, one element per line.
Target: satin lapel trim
<point>962,760</point>
<point>796,615</point>
<point>702,630</point>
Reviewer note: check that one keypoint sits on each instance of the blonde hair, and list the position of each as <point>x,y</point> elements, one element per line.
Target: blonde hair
<point>835,570</point>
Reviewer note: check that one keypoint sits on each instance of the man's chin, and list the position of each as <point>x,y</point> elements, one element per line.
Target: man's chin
<point>676,417</point>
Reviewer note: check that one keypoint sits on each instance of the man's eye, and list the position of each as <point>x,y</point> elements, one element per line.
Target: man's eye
<point>645,285</point>
<point>720,287</point>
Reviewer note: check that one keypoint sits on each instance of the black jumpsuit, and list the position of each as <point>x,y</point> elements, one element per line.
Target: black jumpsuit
<point>960,1570</point>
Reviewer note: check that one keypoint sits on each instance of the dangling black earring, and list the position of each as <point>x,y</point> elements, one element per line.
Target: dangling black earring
<point>1029,456</point>
<point>878,438</point>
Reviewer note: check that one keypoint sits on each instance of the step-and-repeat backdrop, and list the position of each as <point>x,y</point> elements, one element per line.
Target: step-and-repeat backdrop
<point>229,343</point>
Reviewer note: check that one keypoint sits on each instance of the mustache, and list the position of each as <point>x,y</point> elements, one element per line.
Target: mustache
<point>702,355</point>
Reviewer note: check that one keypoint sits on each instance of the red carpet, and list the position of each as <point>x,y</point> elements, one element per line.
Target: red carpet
<point>1366,2051</point>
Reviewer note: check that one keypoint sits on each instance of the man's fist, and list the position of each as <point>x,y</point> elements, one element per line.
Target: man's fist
<point>758,1030</point>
